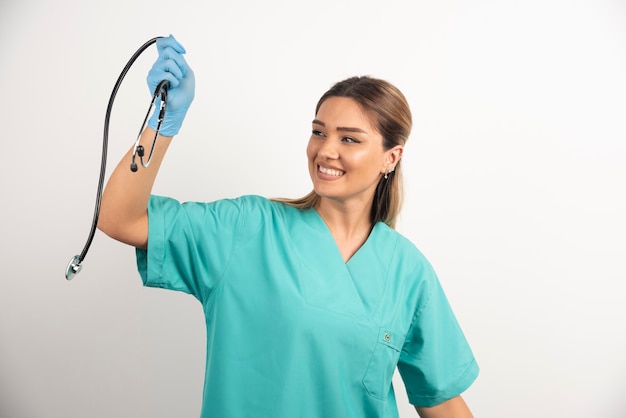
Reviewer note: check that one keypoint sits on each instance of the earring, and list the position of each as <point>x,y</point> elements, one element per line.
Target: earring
<point>389,172</point>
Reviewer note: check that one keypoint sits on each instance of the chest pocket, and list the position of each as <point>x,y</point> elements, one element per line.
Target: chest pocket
<point>379,373</point>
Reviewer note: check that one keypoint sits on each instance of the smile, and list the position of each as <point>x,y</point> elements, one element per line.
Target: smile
<point>330,171</point>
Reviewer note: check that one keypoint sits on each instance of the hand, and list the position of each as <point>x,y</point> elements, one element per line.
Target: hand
<point>171,66</point>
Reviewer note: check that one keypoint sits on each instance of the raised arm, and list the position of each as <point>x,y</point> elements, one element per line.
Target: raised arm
<point>123,212</point>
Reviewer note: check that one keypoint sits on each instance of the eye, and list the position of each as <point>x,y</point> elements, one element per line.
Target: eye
<point>350,140</point>
<point>317,133</point>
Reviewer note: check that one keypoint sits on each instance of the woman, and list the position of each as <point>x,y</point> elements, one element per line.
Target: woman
<point>310,304</point>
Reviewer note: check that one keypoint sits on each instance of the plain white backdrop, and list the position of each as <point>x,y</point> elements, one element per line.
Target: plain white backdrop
<point>515,175</point>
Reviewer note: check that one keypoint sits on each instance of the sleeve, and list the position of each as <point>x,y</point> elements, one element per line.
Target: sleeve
<point>436,362</point>
<point>190,245</point>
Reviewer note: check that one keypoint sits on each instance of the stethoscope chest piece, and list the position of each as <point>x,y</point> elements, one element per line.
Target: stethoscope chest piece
<point>73,268</point>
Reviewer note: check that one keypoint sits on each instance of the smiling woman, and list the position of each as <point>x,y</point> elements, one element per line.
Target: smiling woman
<point>379,113</point>
<point>351,298</point>
<point>346,156</point>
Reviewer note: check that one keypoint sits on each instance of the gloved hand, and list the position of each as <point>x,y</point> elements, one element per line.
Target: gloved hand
<point>171,66</point>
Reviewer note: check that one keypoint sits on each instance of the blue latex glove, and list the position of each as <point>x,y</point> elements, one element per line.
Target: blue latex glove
<point>171,66</point>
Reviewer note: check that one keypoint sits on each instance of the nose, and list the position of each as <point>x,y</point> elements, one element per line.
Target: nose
<point>328,150</point>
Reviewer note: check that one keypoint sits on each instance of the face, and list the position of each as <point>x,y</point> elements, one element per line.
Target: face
<point>346,154</point>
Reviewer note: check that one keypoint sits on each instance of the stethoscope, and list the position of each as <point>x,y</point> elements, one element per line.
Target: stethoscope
<point>74,267</point>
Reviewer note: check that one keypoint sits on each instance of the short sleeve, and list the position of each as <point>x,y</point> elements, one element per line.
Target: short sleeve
<point>189,244</point>
<point>436,362</point>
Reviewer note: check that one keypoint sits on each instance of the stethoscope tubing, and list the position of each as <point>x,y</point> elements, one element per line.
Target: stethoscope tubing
<point>74,266</point>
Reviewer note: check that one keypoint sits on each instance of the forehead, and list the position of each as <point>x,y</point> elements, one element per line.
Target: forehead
<point>346,112</point>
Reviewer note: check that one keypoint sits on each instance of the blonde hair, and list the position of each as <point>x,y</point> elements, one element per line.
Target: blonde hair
<point>390,112</point>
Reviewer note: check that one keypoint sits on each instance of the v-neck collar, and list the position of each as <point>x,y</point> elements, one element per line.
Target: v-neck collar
<point>327,236</point>
<point>353,288</point>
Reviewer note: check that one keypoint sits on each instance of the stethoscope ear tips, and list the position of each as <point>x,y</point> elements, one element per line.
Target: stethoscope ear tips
<point>73,268</point>
<point>139,150</point>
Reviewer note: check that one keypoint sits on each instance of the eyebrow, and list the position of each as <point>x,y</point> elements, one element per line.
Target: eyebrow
<point>340,128</point>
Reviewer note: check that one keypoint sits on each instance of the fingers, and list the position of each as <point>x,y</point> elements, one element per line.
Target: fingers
<point>170,66</point>
<point>156,76</point>
<point>170,42</point>
<point>175,66</point>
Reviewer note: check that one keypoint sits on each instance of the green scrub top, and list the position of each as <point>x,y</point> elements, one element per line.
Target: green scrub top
<point>293,330</point>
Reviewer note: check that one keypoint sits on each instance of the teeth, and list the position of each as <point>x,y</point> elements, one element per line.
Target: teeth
<point>330,171</point>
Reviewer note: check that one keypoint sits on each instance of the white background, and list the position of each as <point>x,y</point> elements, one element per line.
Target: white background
<point>515,172</point>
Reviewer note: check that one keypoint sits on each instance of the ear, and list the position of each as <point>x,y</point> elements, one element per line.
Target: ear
<point>392,157</point>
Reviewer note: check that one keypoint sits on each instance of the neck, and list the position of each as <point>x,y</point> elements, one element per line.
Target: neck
<point>345,221</point>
